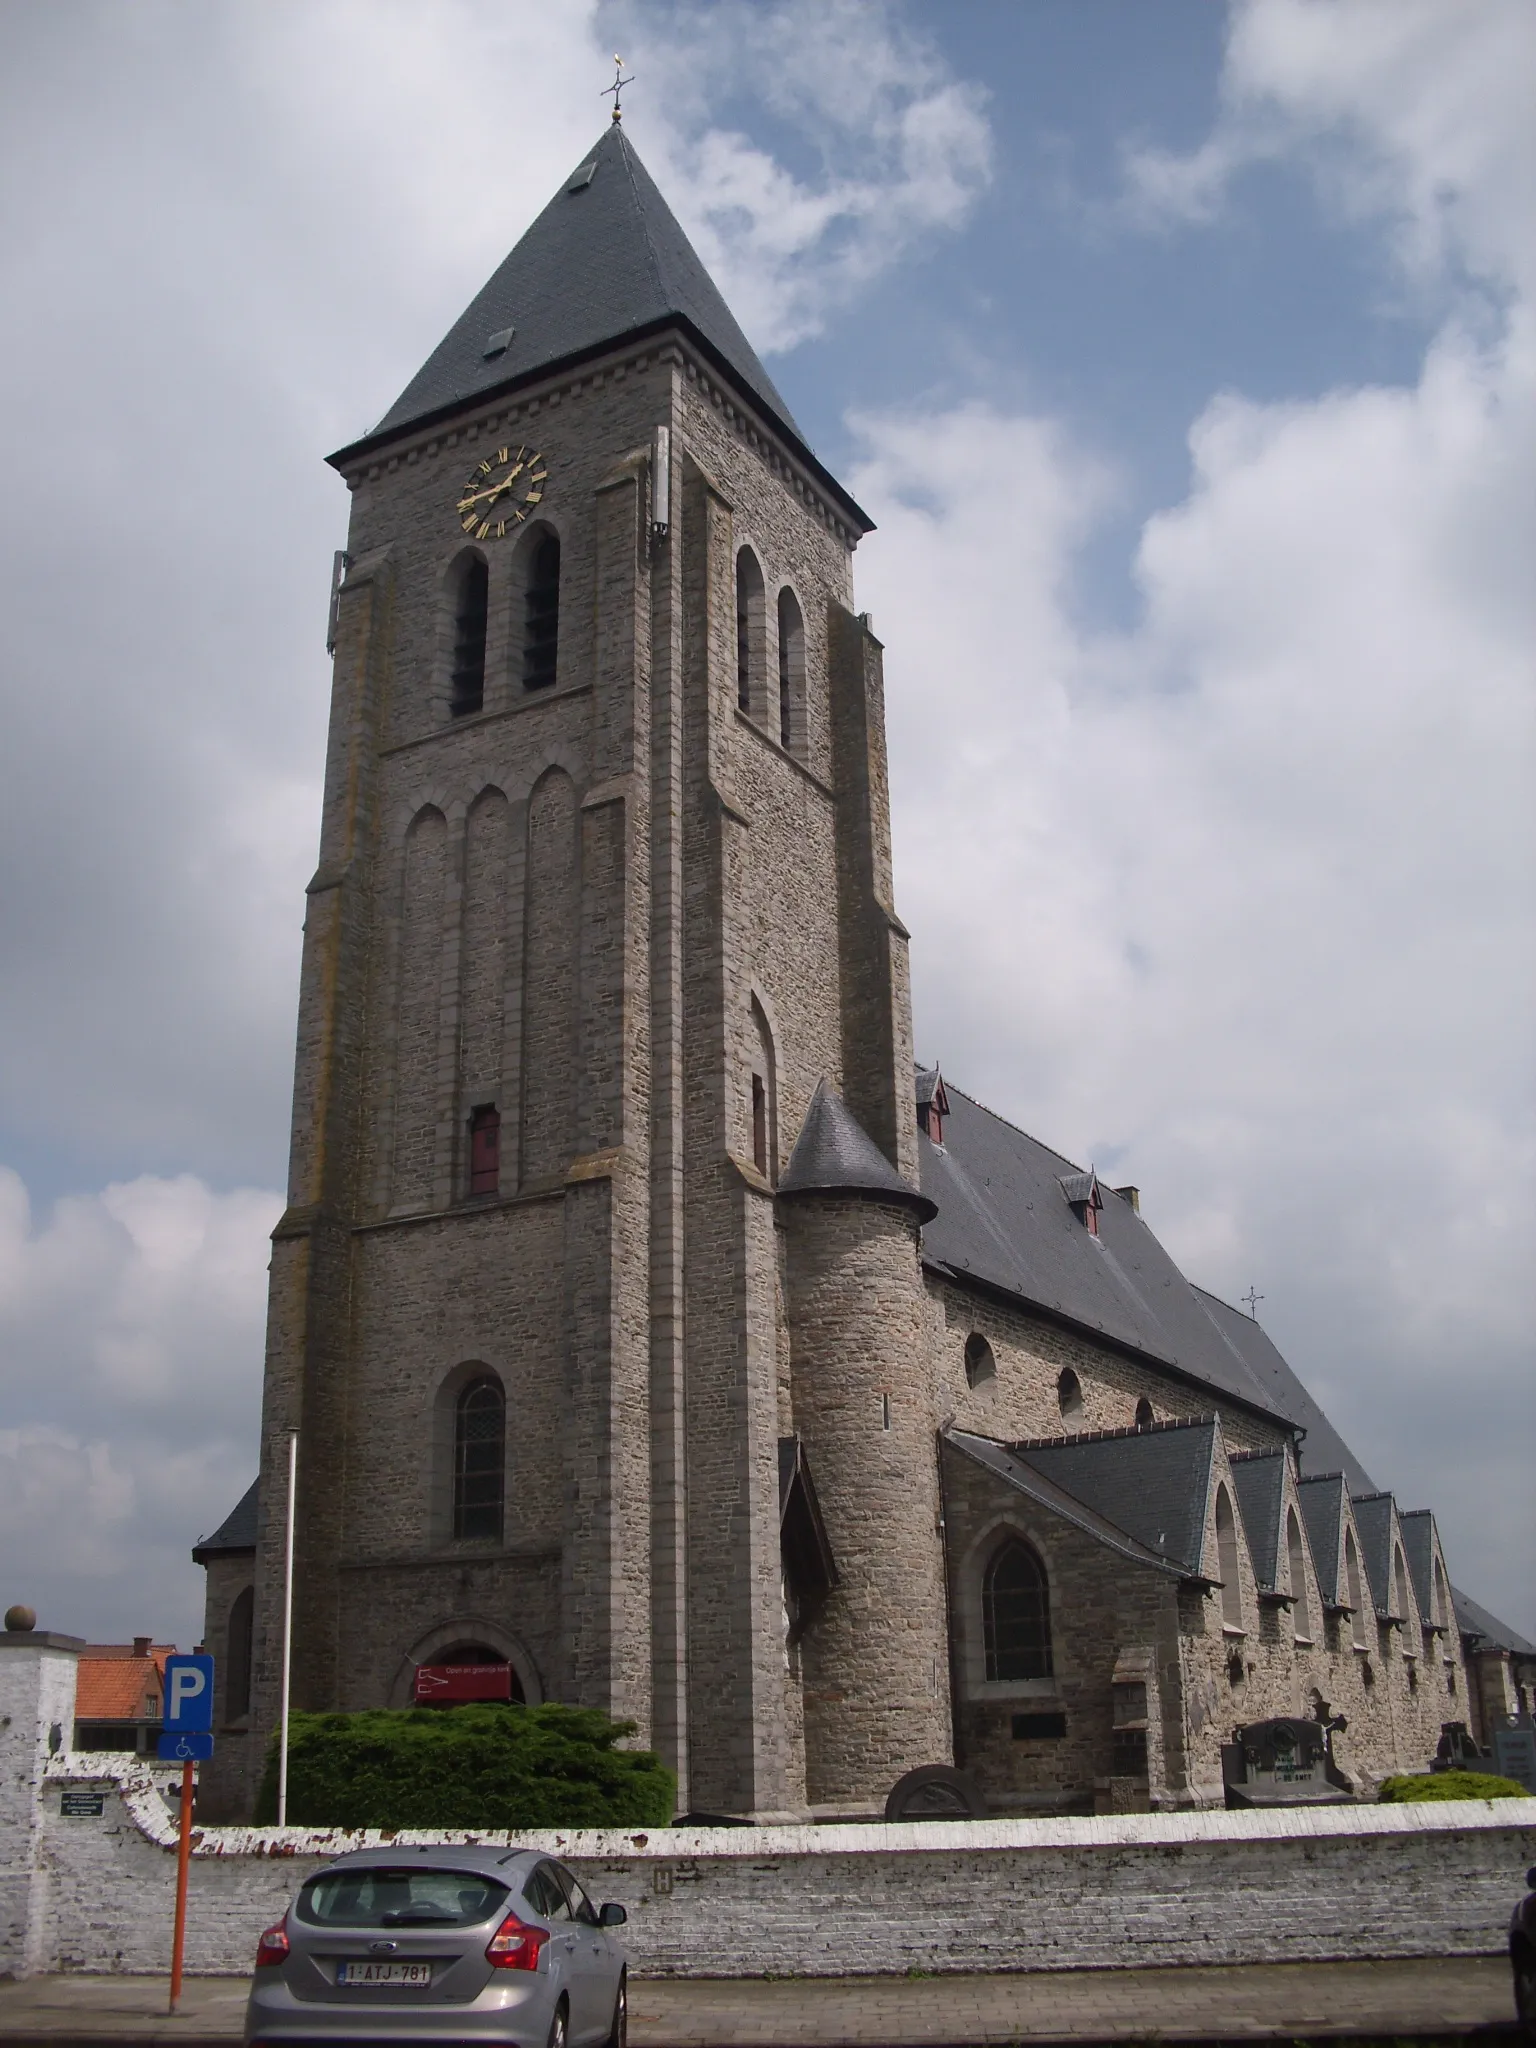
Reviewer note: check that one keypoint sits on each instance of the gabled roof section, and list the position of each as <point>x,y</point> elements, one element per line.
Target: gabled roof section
<point>1259,1477</point>
<point>237,1531</point>
<point>1025,1478</point>
<point>1418,1530</point>
<point>120,1686</point>
<point>1154,1483</point>
<point>834,1155</point>
<point>1374,1517</point>
<point>1323,1449</point>
<point>1002,1222</point>
<point>1485,1629</point>
<point>1322,1509</point>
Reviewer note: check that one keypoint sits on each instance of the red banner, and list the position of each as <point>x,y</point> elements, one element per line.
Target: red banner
<point>443,1684</point>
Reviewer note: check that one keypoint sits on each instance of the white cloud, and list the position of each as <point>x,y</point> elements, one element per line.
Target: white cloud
<point>131,1334</point>
<point>1239,901</point>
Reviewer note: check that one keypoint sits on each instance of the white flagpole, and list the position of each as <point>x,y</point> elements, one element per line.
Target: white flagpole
<point>282,1751</point>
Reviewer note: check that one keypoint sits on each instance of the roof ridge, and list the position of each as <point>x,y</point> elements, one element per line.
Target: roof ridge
<point>998,1117</point>
<point>1104,1436</point>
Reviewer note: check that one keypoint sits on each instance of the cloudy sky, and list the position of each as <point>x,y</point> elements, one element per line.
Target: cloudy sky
<point>1185,358</point>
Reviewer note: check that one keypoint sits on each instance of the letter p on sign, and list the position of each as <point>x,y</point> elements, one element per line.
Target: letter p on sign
<point>188,1694</point>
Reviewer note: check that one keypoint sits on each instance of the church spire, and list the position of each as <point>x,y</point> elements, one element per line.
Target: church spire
<point>606,261</point>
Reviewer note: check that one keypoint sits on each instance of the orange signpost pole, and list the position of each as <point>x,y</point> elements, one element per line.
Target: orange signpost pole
<point>183,1864</point>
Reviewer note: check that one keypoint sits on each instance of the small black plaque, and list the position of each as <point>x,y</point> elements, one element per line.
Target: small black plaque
<point>82,1805</point>
<point>1039,1727</point>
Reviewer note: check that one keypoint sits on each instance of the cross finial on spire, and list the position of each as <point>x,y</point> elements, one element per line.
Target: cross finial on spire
<point>618,85</point>
<point>1253,1301</point>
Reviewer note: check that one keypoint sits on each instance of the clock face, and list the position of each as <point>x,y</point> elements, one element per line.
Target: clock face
<point>500,492</point>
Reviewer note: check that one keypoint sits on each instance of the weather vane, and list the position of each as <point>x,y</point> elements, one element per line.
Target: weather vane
<point>618,85</point>
<point>1253,1301</point>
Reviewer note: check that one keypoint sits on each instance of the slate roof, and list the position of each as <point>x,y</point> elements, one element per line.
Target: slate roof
<point>1004,1220</point>
<point>605,261</point>
<point>1153,1483</point>
<point>1025,1477</point>
<point>1260,1482</point>
<point>1486,1629</point>
<point>834,1155</point>
<point>1373,1519</point>
<point>1418,1527</point>
<point>237,1531</point>
<point>1322,1509</point>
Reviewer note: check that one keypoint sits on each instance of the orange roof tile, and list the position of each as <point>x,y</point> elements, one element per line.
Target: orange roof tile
<point>113,1684</point>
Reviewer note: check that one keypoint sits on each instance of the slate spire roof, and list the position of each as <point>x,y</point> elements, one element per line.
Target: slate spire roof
<point>834,1155</point>
<point>604,262</point>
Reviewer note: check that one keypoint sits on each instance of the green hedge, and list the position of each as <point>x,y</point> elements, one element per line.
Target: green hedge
<point>475,1766</point>
<point>1450,1785</point>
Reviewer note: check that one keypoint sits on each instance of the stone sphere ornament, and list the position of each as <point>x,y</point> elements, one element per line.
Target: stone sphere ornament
<point>21,1619</point>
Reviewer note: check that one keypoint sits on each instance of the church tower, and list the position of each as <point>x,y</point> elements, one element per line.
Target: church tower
<point>603,901</point>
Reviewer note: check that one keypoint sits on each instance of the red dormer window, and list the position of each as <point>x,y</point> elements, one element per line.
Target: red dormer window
<point>932,1107</point>
<point>485,1151</point>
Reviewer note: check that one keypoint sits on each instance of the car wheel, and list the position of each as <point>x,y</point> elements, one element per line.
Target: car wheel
<point>557,2027</point>
<point>618,2033</point>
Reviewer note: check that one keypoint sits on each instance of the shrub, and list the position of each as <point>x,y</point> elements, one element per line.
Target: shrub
<point>475,1766</point>
<point>1450,1785</point>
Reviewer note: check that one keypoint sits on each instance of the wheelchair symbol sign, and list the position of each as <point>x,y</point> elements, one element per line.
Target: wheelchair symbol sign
<point>195,1746</point>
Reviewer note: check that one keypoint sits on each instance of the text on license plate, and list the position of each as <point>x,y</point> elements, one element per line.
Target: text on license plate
<point>417,1974</point>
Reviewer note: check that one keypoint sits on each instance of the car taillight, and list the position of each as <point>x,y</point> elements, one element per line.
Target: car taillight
<point>515,1945</point>
<point>273,1945</point>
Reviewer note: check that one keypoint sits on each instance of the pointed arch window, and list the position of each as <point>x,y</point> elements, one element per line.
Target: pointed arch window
<point>479,1459</point>
<point>541,615</point>
<point>471,608</point>
<point>239,1637</point>
<point>1144,1413</point>
<point>1227,1561</point>
<point>749,631</point>
<point>1069,1397</point>
<point>791,671</point>
<point>1016,1614</point>
<point>1301,1606</point>
<point>1352,1582</point>
<point>485,1150</point>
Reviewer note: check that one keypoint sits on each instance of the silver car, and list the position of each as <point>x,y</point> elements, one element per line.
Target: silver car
<point>442,1945</point>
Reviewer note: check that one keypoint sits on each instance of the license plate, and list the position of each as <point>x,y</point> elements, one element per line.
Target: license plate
<point>414,1976</point>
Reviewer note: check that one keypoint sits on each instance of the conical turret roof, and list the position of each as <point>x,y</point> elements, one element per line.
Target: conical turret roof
<point>605,259</point>
<point>835,1155</point>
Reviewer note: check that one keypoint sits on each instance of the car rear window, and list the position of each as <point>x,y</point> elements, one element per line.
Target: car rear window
<point>390,1897</point>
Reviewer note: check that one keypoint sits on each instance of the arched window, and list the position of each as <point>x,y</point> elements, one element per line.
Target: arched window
<point>1440,1606</point>
<point>791,671</point>
<point>1400,1603</point>
<point>541,615</point>
<point>1144,1416</point>
<point>485,1150</point>
<point>237,1655</point>
<point>1301,1606</point>
<point>1226,1561</point>
<point>765,1094</point>
<point>749,632</point>
<point>1069,1396</point>
<point>1016,1614</point>
<point>980,1365</point>
<point>1352,1582</point>
<point>471,605</point>
<point>479,1434</point>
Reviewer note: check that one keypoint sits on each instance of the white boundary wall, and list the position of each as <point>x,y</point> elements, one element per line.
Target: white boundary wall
<point>1333,1882</point>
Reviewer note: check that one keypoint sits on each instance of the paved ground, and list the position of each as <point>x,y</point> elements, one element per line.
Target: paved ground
<point>1257,2002</point>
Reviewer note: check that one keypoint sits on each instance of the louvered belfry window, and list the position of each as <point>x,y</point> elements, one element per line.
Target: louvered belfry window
<point>541,632</point>
<point>1016,1615</point>
<point>480,1424</point>
<point>469,619</point>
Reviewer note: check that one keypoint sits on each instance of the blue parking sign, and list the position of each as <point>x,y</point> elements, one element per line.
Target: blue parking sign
<point>188,1704</point>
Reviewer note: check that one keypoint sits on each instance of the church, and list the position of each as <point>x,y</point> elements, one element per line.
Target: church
<point>654,1327</point>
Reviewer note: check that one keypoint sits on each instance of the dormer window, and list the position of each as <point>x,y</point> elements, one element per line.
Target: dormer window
<point>932,1103</point>
<point>1082,1193</point>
